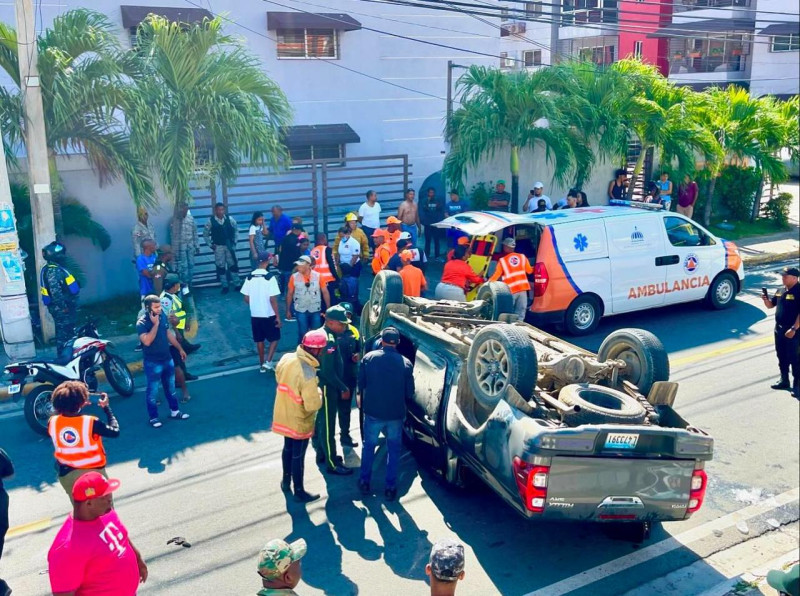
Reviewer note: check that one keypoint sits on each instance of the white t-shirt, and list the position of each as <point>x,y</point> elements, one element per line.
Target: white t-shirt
<point>533,205</point>
<point>260,289</point>
<point>370,215</point>
<point>349,249</point>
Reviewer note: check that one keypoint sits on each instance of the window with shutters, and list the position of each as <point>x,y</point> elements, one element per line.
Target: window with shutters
<point>303,44</point>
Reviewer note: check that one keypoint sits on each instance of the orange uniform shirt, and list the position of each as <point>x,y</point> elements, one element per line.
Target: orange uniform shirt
<point>414,281</point>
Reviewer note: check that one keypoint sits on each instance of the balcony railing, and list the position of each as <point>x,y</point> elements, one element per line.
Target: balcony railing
<point>681,63</point>
<point>684,5</point>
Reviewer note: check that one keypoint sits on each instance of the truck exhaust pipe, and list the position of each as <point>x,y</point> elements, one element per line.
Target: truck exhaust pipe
<point>558,405</point>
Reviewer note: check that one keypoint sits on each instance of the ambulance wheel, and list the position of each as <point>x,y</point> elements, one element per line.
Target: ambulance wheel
<point>387,288</point>
<point>646,360</point>
<point>722,292</point>
<point>497,300</point>
<point>583,315</point>
<point>501,355</point>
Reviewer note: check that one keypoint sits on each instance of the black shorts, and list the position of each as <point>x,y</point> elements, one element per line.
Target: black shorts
<point>265,329</point>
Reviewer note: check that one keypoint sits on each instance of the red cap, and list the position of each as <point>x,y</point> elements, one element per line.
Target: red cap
<point>93,485</point>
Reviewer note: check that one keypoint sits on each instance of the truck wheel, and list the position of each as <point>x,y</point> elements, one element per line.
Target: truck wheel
<point>583,315</point>
<point>501,355</point>
<point>643,353</point>
<point>600,405</point>
<point>497,298</point>
<point>38,408</point>
<point>387,288</point>
<point>722,292</point>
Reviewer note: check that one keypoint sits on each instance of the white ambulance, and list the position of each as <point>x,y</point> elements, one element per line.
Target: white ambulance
<point>597,261</point>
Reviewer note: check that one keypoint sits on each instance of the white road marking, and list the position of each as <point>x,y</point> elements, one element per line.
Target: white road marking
<point>605,570</point>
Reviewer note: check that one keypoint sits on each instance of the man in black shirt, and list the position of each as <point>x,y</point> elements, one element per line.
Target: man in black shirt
<point>289,252</point>
<point>385,382</point>
<point>787,324</point>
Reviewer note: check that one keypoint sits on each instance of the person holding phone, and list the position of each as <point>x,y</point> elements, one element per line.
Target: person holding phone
<point>787,328</point>
<point>78,438</point>
<point>157,337</point>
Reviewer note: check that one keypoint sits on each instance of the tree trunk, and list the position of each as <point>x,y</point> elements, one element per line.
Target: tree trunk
<point>709,208</point>
<point>514,207</point>
<point>757,201</point>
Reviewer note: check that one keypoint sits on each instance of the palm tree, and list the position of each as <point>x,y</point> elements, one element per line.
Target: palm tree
<point>513,110</point>
<point>203,105</point>
<point>83,73</point>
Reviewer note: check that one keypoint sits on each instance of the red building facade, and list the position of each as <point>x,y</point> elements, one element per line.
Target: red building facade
<point>636,21</point>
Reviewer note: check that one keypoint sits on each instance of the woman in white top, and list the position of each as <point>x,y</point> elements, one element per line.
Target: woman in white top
<point>257,236</point>
<point>369,214</point>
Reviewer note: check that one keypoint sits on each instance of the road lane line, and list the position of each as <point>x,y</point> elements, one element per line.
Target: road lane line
<point>745,345</point>
<point>35,526</point>
<point>613,567</point>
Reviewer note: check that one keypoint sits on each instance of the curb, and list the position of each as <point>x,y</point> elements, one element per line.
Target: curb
<point>753,578</point>
<point>765,259</point>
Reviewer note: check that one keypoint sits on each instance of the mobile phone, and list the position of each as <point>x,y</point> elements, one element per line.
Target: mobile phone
<point>764,291</point>
<point>94,398</point>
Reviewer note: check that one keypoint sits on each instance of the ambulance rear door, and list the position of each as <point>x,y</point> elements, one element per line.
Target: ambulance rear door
<point>639,262</point>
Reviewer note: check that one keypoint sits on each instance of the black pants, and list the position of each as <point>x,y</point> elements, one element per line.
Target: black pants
<point>432,235</point>
<point>345,409</point>
<point>293,458</point>
<point>3,518</point>
<point>788,351</point>
<point>325,426</point>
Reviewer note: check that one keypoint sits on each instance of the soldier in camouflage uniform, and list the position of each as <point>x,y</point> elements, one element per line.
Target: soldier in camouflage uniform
<point>59,293</point>
<point>142,230</point>
<point>220,234</point>
<point>185,243</point>
<point>279,567</point>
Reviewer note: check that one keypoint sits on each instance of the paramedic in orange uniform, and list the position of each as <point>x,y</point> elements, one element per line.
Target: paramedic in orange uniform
<point>514,269</point>
<point>457,276</point>
<point>462,241</point>
<point>414,282</point>
<point>393,231</point>
<point>382,251</point>
<point>78,438</point>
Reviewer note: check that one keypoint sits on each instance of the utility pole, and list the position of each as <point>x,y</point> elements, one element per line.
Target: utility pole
<point>450,67</point>
<point>36,145</point>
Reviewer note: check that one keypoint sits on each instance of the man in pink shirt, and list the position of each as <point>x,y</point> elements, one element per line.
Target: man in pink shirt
<point>92,554</point>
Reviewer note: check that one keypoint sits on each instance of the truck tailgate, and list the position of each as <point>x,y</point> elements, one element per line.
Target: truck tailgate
<point>618,488</point>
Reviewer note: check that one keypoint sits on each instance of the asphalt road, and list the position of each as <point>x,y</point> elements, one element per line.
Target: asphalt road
<point>214,480</point>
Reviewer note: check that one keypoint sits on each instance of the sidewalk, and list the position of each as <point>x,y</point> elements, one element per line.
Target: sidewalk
<point>774,248</point>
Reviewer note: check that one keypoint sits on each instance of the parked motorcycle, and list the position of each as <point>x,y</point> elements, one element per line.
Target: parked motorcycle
<point>87,355</point>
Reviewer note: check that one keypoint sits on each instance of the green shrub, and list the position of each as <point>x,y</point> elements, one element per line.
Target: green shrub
<point>736,190</point>
<point>479,196</point>
<point>777,209</point>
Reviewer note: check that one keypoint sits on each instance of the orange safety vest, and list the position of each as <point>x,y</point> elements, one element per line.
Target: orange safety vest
<point>515,268</point>
<point>391,241</point>
<point>382,255</point>
<point>321,265</point>
<point>74,442</point>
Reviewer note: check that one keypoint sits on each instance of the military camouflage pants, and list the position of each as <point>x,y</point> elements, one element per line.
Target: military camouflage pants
<point>225,262</point>
<point>64,318</point>
<point>185,262</point>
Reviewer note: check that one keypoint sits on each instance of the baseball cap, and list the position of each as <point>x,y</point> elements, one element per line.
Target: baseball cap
<point>297,226</point>
<point>378,233</point>
<point>390,335</point>
<point>337,313</point>
<point>170,279</point>
<point>510,242</point>
<point>463,241</point>
<point>447,560</point>
<point>93,485</point>
<point>348,308</point>
<point>404,236</point>
<point>264,255</point>
<point>278,555</point>
<point>304,260</point>
<point>538,185</point>
<point>790,271</point>
<point>406,256</point>
<point>392,220</point>
<point>503,182</point>
<point>787,582</point>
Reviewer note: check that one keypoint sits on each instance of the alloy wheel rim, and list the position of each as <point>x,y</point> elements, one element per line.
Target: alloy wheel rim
<point>492,367</point>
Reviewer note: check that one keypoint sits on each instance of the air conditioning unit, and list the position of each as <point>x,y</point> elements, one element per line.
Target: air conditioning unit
<point>517,28</point>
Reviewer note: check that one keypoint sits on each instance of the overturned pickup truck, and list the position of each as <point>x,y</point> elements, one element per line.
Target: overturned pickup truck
<point>556,431</point>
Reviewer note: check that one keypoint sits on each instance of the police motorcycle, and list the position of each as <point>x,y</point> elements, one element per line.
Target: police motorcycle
<point>82,357</point>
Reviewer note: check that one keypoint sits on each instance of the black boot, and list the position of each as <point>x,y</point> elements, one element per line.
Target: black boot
<point>304,497</point>
<point>286,483</point>
<point>782,384</point>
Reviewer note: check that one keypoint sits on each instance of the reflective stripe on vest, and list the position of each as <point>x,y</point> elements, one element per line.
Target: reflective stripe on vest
<point>74,444</point>
<point>172,304</point>
<point>307,299</point>
<point>514,275</point>
<point>321,265</point>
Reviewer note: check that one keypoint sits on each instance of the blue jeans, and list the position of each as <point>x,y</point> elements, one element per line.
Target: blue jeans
<point>411,230</point>
<point>306,321</point>
<point>283,281</point>
<point>393,429</point>
<point>165,373</point>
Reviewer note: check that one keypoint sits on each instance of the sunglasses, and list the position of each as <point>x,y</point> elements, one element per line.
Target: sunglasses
<point>308,284</point>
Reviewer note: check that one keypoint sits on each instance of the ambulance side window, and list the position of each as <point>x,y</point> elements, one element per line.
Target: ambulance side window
<point>684,233</point>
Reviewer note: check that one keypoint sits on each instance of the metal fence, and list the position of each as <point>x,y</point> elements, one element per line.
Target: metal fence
<point>320,191</point>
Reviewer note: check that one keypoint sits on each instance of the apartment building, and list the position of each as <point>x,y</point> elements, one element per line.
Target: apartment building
<point>526,33</point>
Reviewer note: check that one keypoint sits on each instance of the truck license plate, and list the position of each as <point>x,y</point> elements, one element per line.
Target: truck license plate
<point>621,441</point>
<point>12,389</point>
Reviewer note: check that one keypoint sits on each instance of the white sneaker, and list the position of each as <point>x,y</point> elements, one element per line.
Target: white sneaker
<point>269,366</point>
<point>263,368</point>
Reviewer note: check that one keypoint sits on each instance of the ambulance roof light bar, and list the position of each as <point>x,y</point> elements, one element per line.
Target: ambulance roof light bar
<point>636,204</point>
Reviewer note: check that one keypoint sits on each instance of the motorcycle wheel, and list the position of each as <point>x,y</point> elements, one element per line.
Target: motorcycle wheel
<point>118,375</point>
<point>38,408</point>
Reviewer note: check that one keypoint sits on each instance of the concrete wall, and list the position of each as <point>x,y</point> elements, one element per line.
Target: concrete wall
<point>775,72</point>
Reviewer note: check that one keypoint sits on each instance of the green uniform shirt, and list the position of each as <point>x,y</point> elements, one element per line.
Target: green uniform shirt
<point>331,368</point>
<point>277,592</point>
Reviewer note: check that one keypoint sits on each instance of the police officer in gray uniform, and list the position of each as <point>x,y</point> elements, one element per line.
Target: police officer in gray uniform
<point>60,292</point>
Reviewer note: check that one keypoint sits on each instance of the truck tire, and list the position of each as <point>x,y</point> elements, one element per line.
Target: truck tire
<point>600,405</point>
<point>583,315</point>
<point>387,288</point>
<point>38,408</point>
<point>647,360</point>
<point>497,298</point>
<point>722,292</point>
<point>501,355</point>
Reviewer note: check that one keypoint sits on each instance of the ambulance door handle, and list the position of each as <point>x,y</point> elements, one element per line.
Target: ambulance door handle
<point>667,260</point>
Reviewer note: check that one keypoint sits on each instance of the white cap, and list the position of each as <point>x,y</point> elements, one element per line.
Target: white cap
<point>404,236</point>
<point>510,242</point>
<point>538,185</point>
